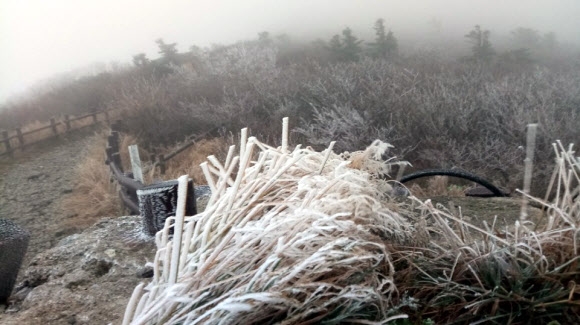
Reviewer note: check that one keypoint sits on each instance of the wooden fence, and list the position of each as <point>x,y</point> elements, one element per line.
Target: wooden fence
<point>129,186</point>
<point>19,139</point>
<point>160,160</point>
<point>159,199</point>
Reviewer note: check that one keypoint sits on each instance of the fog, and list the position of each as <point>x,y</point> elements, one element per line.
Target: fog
<point>40,39</point>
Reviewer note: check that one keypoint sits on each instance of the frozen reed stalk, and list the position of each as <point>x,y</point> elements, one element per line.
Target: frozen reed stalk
<point>285,134</point>
<point>178,228</point>
<point>401,171</point>
<point>246,255</point>
<point>326,156</point>
<point>528,165</point>
<point>243,140</point>
<point>132,305</point>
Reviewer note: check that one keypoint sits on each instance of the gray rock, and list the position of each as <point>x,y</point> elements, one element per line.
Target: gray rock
<point>90,275</point>
<point>145,272</point>
<point>13,245</point>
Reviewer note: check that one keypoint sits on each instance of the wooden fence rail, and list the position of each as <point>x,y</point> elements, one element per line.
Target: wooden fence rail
<point>154,202</point>
<point>160,160</point>
<point>129,186</point>
<point>9,146</point>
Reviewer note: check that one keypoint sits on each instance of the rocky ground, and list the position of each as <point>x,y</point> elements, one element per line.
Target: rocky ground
<point>70,275</point>
<point>85,276</point>
<point>32,185</point>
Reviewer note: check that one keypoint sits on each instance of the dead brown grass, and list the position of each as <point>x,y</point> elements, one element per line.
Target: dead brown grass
<point>437,186</point>
<point>188,161</point>
<point>94,196</point>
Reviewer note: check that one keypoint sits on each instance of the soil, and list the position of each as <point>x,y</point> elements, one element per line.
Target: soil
<point>72,275</point>
<point>32,185</point>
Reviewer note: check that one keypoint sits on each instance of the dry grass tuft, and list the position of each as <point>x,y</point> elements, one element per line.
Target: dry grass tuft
<point>437,186</point>
<point>189,160</point>
<point>291,236</point>
<point>94,196</point>
<point>295,237</point>
<point>525,273</point>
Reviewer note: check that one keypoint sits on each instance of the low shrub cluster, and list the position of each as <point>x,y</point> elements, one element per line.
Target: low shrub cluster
<point>439,113</point>
<point>440,110</point>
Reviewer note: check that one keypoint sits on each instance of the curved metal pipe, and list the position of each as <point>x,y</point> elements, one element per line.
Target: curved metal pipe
<point>455,173</point>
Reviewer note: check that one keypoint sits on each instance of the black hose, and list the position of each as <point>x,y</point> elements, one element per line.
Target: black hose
<point>455,173</point>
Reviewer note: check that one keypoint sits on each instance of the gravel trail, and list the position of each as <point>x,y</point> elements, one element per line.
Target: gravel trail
<point>32,186</point>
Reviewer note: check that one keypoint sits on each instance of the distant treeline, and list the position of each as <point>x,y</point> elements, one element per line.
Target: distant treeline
<point>440,109</point>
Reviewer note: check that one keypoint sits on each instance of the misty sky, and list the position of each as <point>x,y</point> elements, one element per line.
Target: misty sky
<point>41,38</point>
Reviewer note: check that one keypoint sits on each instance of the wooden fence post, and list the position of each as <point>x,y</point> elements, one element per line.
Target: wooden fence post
<point>53,126</point>
<point>116,159</point>
<point>6,141</point>
<point>109,153</point>
<point>67,122</point>
<point>107,118</point>
<point>161,163</point>
<point>20,137</point>
<point>114,140</point>
<point>115,126</point>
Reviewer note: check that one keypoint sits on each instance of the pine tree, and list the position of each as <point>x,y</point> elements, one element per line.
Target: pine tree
<point>264,38</point>
<point>168,51</point>
<point>480,44</point>
<point>350,46</point>
<point>526,38</point>
<point>392,45</point>
<point>140,60</point>
<point>385,44</point>
<point>335,44</point>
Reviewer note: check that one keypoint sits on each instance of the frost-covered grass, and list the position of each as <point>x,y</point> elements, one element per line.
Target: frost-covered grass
<point>298,236</point>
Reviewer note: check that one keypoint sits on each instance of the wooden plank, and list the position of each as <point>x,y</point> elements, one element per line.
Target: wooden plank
<point>128,183</point>
<point>40,129</point>
<point>136,163</point>
<point>179,150</point>
<point>82,117</point>
<point>188,144</point>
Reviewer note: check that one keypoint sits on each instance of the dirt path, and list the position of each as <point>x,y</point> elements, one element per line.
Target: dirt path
<point>70,274</point>
<point>32,185</point>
